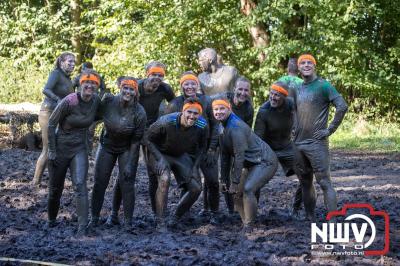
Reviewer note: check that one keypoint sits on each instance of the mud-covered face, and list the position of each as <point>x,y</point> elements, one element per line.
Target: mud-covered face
<point>68,64</point>
<point>190,116</point>
<point>307,68</point>
<point>190,88</point>
<point>276,98</point>
<point>204,62</point>
<point>154,80</point>
<point>221,112</point>
<point>242,91</point>
<point>128,93</point>
<point>88,88</point>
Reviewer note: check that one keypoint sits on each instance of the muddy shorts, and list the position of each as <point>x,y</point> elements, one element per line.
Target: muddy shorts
<point>312,157</point>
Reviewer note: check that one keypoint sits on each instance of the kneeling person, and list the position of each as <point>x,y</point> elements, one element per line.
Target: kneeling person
<point>176,143</point>
<point>240,145</point>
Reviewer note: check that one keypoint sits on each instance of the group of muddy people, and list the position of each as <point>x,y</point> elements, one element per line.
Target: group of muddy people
<point>203,138</point>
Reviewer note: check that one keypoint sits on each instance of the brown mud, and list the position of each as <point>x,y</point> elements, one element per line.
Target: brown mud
<point>359,177</point>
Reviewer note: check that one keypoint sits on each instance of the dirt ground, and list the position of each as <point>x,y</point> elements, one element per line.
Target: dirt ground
<point>359,177</point>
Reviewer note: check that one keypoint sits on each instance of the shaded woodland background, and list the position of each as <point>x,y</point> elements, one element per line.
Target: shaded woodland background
<point>356,42</point>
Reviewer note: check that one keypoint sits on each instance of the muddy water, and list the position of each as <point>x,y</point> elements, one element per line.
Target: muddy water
<point>358,177</point>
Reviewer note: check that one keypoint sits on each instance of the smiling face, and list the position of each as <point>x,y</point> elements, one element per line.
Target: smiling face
<point>189,88</point>
<point>154,80</point>
<point>276,98</point>
<point>221,112</point>
<point>88,88</point>
<point>190,116</point>
<point>242,91</point>
<point>68,64</point>
<point>307,68</point>
<point>128,93</point>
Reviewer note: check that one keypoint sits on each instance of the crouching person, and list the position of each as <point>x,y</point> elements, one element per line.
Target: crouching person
<point>242,149</point>
<point>176,143</point>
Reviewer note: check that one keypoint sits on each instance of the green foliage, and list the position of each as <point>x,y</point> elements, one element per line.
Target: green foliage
<point>356,42</point>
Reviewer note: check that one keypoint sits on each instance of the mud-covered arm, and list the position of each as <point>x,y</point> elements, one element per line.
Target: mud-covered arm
<point>169,93</point>
<point>341,109</point>
<point>214,130</point>
<point>260,127</point>
<point>202,147</point>
<point>48,89</point>
<point>239,143</point>
<point>171,108</point>
<point>156,131</point>
<point>225,166</point>
<point>59,113</point>
<point>250,117</point>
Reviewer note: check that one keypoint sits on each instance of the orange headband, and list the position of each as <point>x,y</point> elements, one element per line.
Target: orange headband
<point>130,83</point>
<point>306,57</point>
<point>279,89</point>
<point>91,77</point>
<point>221,102</point>
<point>193,105</point>
<point>188,77</point>
<point>155,69</point>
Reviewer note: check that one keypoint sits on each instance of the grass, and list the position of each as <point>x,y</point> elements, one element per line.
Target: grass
<point>360,134</point>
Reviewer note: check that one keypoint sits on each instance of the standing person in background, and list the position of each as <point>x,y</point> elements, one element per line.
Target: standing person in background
<point>68,148</point>
<point>247,162</point>
<point>274,124</point>
<point>312,100</point>
<point>208,165</point>
<point>291,80</point>
<point>241,101</point>
<point>124,125</point>
<point>58,86</point>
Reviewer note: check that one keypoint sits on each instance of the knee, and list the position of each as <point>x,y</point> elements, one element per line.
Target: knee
<point>195,187</point>
<point>248,191</point>
<point>80,189</point>
<point>163,180</point>
<point>324,181</point>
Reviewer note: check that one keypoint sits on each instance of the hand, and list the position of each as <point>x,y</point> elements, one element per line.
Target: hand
<point>223,188</point>
<point>321,134</point>
<point>210,159</point>
<point>51,155</point>
<point>234,188</point>
<point>196,173</point>
<point>127,172</point>
<point>160,166</point>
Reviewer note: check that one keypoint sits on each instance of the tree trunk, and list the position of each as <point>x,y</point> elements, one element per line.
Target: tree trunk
<point>259,34</point>
<point>76,35</point>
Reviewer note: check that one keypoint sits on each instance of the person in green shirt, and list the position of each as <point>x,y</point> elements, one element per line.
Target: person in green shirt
<point>312,100</point>
<point>291,79</point>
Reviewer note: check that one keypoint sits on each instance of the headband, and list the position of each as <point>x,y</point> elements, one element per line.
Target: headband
<point>279,89</point>
<point>129,83</point>
<point>193,105</point>
<point>155,69</point>
<point>221,102</point>
<point>306,57</point>
<point>89,77</point>
<point>188,77</point>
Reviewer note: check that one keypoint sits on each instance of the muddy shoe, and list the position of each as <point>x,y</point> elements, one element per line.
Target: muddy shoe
<point>247,229</point>
<point>310,218</point>
<point>94,222</point>
<point>294,214</point>
<point>112,221</point>
<point>204,213</point>
<point>51,223</point>
<point>161,225</point>
<point>214,219</point>
<point>82,231</point>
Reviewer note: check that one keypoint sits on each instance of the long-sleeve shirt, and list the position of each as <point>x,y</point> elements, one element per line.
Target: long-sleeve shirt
<point>123,126</point>
<point>240,145</point>
<point>274,125</point>
<point>72,117</point>
<point>58,86</point>
<point>244,111</point>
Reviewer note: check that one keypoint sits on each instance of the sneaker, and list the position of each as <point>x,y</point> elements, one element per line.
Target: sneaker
<point>112,220</point>
<point>51,223</point>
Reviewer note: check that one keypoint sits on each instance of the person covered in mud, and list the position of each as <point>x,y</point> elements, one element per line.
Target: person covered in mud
<point>242,149</point>
<point>85,67</point>
<point>291,80</point>
<point>58,86</point>
<point>312,100</point>
<point>124,125</point>
<point>189,86</point>
<point>215,78</point>
<point>176,143</point>
<point>240,100</point>
<point>68,148</point>
<point>274,123</point>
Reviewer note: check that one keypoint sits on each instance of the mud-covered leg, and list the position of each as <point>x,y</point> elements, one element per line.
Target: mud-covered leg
<point>190,197</point>
<point>42,160</point>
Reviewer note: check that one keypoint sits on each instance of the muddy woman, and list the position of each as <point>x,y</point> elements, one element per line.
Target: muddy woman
<point>58,86</point>
<point>124,125</point>
<point>68,148</point>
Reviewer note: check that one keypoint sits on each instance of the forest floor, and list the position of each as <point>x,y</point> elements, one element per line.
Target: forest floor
<point>359,177</point>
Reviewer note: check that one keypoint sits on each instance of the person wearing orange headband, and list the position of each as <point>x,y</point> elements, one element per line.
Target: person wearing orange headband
<point>242,149</point>
<point>58,86</point>
<point>68,148</point>
<point>124,126</point>
<point>274,123</point>
<point>176,143</point>
<point>312,100</point>
<point>208,165</point>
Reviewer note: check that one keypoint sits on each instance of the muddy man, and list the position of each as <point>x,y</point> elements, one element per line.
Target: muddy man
<point>312,100</point>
